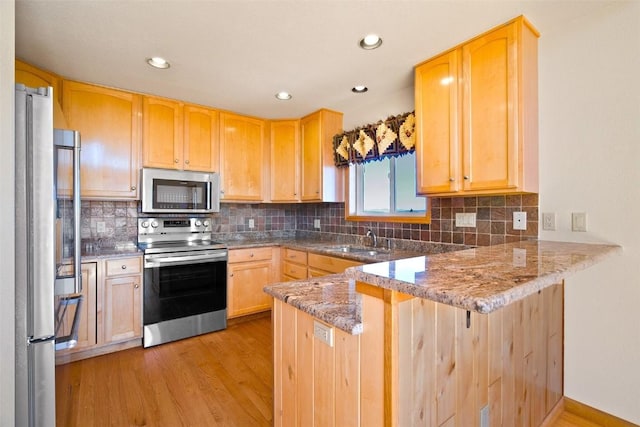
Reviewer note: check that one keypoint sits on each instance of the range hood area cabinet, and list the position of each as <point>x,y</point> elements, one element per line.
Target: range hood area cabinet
<point>301,163</point>
<point>109,123</point>
<point>477,115</point>
<point>179,136</point>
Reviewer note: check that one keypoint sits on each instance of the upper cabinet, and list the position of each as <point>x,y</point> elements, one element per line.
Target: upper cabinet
<point>201,151</point>
<point>477,115</point>
<point>321,180</point>
<point>242,158</point>
<point>285,160</point>
<point>162,135</point>
<point>109,125</point>
<point>179,136</point>
<point>31,76</point>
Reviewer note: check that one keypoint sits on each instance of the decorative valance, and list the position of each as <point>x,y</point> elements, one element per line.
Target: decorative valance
<point>392,137</point>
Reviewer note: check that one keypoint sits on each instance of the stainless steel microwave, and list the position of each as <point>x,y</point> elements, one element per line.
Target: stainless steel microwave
<point>174,191</point>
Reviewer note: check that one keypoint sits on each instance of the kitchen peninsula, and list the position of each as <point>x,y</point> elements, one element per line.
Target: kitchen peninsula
<point>445,339</point>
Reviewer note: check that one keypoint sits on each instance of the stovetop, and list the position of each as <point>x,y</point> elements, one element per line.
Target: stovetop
<point>160,235</point>
<point>180,246</point>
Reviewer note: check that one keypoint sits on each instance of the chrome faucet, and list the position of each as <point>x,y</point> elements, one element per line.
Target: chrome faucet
<point>374,238</point>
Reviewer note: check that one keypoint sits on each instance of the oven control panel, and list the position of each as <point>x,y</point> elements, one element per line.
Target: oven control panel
<point>148,226</point>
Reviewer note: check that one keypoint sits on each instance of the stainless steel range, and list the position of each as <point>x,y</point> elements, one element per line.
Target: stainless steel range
<point>185,279</point>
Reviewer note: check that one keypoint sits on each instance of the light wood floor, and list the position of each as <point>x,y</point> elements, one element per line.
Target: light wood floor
<point>218,379</point>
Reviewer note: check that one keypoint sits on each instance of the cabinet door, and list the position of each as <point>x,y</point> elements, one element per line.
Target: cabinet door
<point>490,106</point>
<point>241,157</point>
<point>437,124</point>
<point>31,76</point>
<point>122,308</point>
<point>162,133</point>
<point>311,158</point>
<point>285,161</point>
<point>87,328</point>
<point>201,132</point>
<point>245,283</point>
<point>108,121</point>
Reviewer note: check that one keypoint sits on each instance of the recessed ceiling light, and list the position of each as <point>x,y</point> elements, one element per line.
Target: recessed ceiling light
<point>370,41</point>
<point>359,89</point>
<point>283,96</point>
<point>158,62</point>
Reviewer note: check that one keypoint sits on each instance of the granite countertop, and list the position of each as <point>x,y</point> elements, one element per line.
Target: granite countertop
<point>92,252</point>
<point>480,279</point>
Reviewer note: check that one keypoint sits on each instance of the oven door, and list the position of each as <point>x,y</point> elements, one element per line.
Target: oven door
<point>184,284</point>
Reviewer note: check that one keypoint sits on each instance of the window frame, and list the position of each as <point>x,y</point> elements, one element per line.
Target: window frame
<point>351,212</point>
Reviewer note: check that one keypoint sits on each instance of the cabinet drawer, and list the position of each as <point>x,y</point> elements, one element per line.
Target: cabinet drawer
<point>123,266</point>
<point>331,264</point>
<point>250,254</point>
<point>293,270</point>
<point>295,256</point>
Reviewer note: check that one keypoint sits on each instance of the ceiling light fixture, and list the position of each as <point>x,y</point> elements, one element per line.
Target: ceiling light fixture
<point>371,41</point>
<point>283,96</point>
<point>158,62</point>
<point>359,89</point>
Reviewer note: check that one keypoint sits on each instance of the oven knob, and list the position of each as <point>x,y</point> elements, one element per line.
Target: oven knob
<point>206,223</point>
<point>145,224</point>
<point>198,223</point>
<point>154,224</point>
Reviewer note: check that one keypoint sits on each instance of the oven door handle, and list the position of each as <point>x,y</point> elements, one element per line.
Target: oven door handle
<point>151,261</point>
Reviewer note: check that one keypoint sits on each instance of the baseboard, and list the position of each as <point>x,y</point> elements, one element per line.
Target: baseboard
<point>554,415</point>
<point>594,415</point>
<point>63,358</point>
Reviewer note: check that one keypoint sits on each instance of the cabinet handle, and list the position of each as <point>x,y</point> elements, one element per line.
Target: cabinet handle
<point>124,267</point>
<point>186,162</point>
<point>251,255</point>
<point>465,177</point>
<point>231,275</point>
<point>133,188</point>
<point>451,179</point>
<point>136,286</point>
<point>176,160</point>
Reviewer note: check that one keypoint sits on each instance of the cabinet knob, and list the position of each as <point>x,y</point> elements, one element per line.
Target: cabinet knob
<point>176,160</point>
<point>133,188</point>
<point>136,286</point>
<point>451,179</point>
<point>465,177</point>
<point>186,162</point>
<point>251,255</point>
<point>231,275</point>
<point>124,267</point>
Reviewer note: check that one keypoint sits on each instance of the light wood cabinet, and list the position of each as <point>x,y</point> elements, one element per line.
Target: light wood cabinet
<point>321,179</point>
<point>249,271</point>
<point>109,125</point>
<point>201,150</point>
<point>322,265</point>
<point>87,328</point>
<point>294,264</point>
<point>123,299</point>
<point>242,158</point>
<point>285,161</point>
<point>31,76</point>
<point>162,135</point>
<point>476,115</point>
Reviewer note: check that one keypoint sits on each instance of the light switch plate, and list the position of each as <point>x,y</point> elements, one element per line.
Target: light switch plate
<point>519,220</point>
<point>465,219</point>
<point>100,227</point>
<point>578,221</point>
<point>252,223</point>
<point>316,223</point>
<point>323,332</point>
<point>549,221</point>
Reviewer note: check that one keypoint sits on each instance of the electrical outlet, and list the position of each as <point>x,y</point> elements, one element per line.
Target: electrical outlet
<point>316,223</point>
<point>519,220</point>
<point>323,332</point>
<point>578,221</point>
<point>549,221</point>
<point>101,227</point>
<point>252,223</point>
<point>465,219</point>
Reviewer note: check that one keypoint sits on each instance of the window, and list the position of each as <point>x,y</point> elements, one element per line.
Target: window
<point>386,189</point>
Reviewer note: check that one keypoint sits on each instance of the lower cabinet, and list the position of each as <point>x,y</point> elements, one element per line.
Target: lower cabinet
<point>111,312</point>
<point>322,265</point>
<point>294,264</point>
<point>248,272</point>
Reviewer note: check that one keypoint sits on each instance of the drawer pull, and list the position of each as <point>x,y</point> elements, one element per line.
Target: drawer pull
<point>136,286</point>
<point>124,267</point>
<point>251,255</point>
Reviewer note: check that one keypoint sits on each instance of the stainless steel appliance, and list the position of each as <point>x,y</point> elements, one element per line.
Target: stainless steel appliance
<point>47,200</point>
<point>174,191</point>
<point>185,279</point>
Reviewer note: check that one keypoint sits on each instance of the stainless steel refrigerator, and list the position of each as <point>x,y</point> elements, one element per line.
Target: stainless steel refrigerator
<point>47,248</point>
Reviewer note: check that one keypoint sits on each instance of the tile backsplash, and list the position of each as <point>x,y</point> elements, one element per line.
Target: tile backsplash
<point>494,224</point>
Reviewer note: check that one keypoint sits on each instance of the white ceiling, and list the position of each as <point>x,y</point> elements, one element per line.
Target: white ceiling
<point>235,55</point>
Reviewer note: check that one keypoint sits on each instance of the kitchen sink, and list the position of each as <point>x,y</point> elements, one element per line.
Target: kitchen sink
<point>364,250</point>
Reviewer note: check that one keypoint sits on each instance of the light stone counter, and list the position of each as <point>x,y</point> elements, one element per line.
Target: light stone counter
<point>481,279</point>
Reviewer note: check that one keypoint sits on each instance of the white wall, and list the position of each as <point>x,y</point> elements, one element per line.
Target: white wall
<point>7,284</point>
<point>590,162</point>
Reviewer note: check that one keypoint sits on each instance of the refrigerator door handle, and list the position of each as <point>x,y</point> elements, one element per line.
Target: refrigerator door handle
<point>70,340</point>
